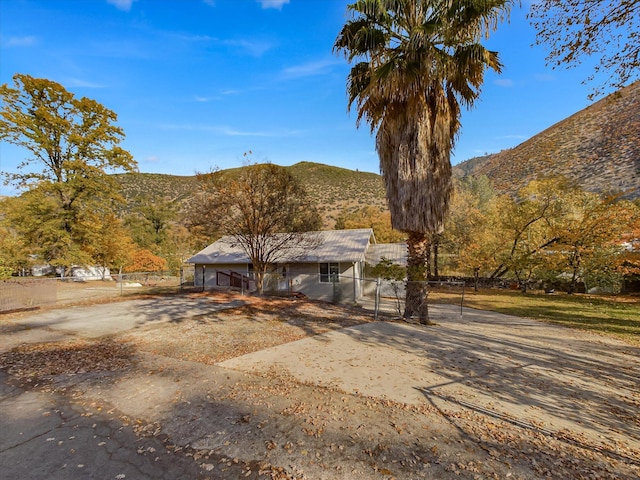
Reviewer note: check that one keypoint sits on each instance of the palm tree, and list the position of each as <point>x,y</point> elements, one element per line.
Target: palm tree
<point>417,61</point>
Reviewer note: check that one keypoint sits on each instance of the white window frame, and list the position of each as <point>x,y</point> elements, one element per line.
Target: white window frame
<point>328,277</point>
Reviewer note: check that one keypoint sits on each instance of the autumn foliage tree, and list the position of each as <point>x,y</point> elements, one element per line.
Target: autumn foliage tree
<point>263,208</point>
<point>470,235</point>
<point>370,217</point>
<point>14,257</point>
<point>550,231</point>
<point>143,260</point>
<point>72,143</point>
<point>156,225</point>
<point>607,30</point>
<point>628,264</point>
<point>590,237</point>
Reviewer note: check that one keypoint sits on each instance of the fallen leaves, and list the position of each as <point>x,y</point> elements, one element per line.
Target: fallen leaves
<point>292,424</point>
<point>41,360</point>
<point>226,334</point>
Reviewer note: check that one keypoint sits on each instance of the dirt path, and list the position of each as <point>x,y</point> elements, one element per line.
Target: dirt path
<point>482,396</point>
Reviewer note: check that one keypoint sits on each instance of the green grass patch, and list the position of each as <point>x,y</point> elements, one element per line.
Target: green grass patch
<point>617,316</point>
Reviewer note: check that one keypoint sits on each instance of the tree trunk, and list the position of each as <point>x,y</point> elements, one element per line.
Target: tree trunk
<point>436,244</point>
<point>476,274</point>
<point>418,255</point>
<point>260,280</point>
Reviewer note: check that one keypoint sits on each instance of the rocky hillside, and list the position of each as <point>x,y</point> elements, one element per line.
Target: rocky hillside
<point>598,147</point>
<point>332,188</point>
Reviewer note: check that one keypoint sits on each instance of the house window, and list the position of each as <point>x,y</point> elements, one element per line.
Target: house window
<point>329,273</point>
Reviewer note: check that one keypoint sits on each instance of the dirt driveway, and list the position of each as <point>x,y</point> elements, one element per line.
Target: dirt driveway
<point>291,389</point>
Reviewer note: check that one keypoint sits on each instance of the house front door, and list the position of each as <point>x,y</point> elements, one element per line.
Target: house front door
<point>283,279</point>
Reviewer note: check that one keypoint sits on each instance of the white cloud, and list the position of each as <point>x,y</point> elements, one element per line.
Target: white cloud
<point>78,82</point>
<point>277,4</point>
<point>546,77</point>
<point>504,82</point>
<point>193,38</point>
<point>513,137</point>
<point>26,41</point>
<point>310,69</point>
<point>253,48</point>
<point>152,158</point>
<point>228,131</point>
<point>203,99</point>
<point>124,5</point>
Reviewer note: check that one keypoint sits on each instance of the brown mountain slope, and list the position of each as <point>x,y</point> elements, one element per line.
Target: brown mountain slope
<point>332,189</point>
<point>598,148</point>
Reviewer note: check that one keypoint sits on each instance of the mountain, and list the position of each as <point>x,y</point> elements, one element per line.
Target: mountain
<point>598,148</point>
<point>331,188</point>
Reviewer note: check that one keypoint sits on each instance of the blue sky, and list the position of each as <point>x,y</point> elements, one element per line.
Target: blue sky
<point>196,83</point>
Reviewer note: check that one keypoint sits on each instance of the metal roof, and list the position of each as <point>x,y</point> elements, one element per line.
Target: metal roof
<point>396,252</point>
<point>331,246</point>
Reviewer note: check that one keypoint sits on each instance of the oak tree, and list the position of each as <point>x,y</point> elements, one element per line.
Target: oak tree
<point>72,143</point>
<point>370,217</point>
<point>264,208</point>
<point>590,237</point>
<point>608,30</point>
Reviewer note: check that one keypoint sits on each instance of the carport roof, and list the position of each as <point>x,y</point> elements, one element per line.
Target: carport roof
<point>396,252</point>
<point>332,246</point>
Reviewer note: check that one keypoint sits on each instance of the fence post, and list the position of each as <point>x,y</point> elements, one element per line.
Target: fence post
<point>376,299</point>
<point>355,294</point>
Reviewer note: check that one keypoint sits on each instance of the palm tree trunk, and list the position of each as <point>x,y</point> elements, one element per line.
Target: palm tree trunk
<point>436,245</point>
<point>418,255</point>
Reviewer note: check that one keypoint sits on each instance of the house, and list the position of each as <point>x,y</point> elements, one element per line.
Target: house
<point>333,269</point>
<point>77,273</point>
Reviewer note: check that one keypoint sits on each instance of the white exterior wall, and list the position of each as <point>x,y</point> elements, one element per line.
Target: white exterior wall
<point>305,278</point>
<point>301,278</point>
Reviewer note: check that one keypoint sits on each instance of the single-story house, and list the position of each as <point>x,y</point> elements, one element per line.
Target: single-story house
<point>332,269</point>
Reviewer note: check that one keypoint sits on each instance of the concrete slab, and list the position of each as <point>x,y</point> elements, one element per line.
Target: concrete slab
<point>538,375</point>
<point>111,318</point>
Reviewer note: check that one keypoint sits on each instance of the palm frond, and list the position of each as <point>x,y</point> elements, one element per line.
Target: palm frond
<point>419,61</point>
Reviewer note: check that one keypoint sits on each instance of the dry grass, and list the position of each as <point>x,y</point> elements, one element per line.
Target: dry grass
<point>616,316</point>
